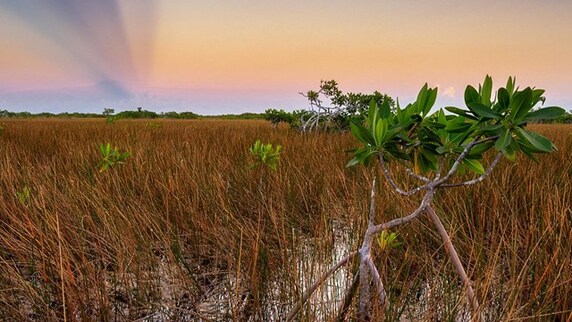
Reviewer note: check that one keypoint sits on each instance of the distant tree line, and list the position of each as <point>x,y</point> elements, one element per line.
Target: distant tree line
<point>107,113</point>
<point>139,113</point>
<point>351,108</point>
<point>25,114</point>
<point>243,116</point>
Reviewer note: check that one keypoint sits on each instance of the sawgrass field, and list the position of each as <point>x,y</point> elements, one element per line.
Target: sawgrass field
<point>187,230</point>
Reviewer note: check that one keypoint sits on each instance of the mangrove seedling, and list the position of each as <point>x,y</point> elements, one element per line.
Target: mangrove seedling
<point>24,195</point>
<point>265,155</point>
<point>111,157</point>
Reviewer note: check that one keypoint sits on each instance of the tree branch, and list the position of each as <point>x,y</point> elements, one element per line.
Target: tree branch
<point>402,220</point>
<point>461,157</point>
<point>387,176</point>
<point>372,204</point>
<point>377,279</point>
<point>364,280</point>
<point>477,180</point>
<point>450,249</point>
<point>440,169</point>
<point>415,175</point>
<point>313,288</point>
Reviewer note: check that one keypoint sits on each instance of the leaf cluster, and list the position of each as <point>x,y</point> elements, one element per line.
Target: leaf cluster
<point>424,140</point>
<point>388,241</point>
<point>111,157</point>
<point>24,195</point>
<point>265,154</point>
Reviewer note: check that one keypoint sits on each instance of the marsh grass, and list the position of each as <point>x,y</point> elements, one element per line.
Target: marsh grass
<point>187,230</point>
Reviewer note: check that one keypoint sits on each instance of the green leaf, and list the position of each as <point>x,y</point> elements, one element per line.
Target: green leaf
<point>380,132</point>
<point>481,148</point>
<point>428,154</point>
<point>526,149</point>
<point>392,131</point>
<point>537,96</point>
<point>503,100</point>
<point>434,125</point>
<point>362,134</point>
<point>510,151</point>
<point>360,156</point>
<point>422,98</point>
<point>457,127</point>
<point>483,111</point>
<point>486,91</point>
<point>504,140</point>
<point>510,85</point>
<point>373,114</point>
<point>460,112</point>
<point>490,129</point>
<point>547,113</point>
<point>474,166</point>
<point>273,166</point>
<point>465,135</point>
<point>425,163</point>
<point>385,109</point>
<point>441,117</point>
<point>471,95</point>
<point>431,98</point>
<point>537,141</point>
<point>520,104</point>
<point>442,150</point>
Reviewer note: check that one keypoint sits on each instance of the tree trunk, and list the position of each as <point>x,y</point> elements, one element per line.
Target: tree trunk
<point>456,262</point>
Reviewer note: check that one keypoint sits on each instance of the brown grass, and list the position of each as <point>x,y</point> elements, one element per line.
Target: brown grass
<point>186,230</point>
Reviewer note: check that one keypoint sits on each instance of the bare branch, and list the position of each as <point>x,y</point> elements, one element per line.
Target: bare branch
<point>319,282</point>
<point>490,138</point>
<point>377,279</point>
<point>364,304</point>
<point>440,169</point>
<point>387,176</point>
<point>461,157</point>
<point>372,204</point>
<point>458,161</point>
<point>477,180</point>
<point>415,175</point>
<point>402,220</point>
<point>450,249</point>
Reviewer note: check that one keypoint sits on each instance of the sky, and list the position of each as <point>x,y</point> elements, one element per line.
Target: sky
<point>216,57</point>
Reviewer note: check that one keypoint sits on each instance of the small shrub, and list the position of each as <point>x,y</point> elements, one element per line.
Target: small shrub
<point>24,195</point>
<point>111,119</point>
<point>265,154</point>
<point>388,241</point>
<point>111,157</point>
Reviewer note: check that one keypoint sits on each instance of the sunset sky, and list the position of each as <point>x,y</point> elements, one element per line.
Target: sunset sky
<point>213,57</point>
